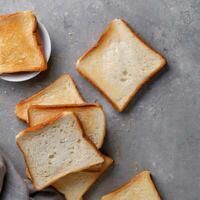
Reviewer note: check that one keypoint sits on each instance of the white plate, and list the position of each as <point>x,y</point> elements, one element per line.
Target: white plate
<point>46,43</point>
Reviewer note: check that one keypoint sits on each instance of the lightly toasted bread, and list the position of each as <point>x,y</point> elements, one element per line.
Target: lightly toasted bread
<point>75,185</point>
<point>61,91</point>
<point>119,63</point>
<point>56,148</point>
<point>91,116</point>
<point>139,188</point>
<point>21,50</point>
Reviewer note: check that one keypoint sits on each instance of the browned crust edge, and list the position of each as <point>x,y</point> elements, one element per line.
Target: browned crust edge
<point>126,185</point>
<point>42,125</point>
<point>83,105</point>
<point>36,38</point>
<point>18,105</point>
<point>99,41</point>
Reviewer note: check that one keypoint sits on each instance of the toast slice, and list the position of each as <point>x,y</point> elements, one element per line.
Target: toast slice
<point>91,116</point>
<point>56,148</point>
<point>21,50</point>
<point>119,63</point>
<point>139,188</point>
<point>61,91</point>
<point>75,185</point>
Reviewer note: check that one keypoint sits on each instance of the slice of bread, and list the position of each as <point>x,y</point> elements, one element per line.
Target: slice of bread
<point>61,91</point>
<point>141,187</point>
<point>56,148</point>
<point>75,185</point>
<point>119,64</point>
<point>19,43</point>
<point>91,116</point>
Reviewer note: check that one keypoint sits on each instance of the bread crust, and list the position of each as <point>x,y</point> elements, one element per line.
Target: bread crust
<point>42,125</point>
<point>36,38</point>
<point>98,43</point>
<point>126,185</point>
<point>18,110</point>
<point>82,106</point>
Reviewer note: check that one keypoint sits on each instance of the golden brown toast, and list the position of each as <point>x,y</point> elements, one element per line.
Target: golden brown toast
<point>21,50</point>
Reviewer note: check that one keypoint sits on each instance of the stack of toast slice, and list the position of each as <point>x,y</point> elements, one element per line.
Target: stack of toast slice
<point>21,48</point>
<point>61,146</point>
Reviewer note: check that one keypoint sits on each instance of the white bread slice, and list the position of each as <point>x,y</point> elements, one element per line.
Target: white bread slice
<point>141,187</point>
<point>61,91</point>
<point>75,185</point>
<point>91,116</point>
<point>119,63</point>
<point>19,43</point>
<point>56,148</point>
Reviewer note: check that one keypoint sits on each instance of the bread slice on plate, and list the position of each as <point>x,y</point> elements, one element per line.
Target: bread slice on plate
<point>119,63</point>
<point>56,148</point>
<point>75,185</point>
<point>91,116</point>
<point>21,50</point>
<point>61,91</point>
<point>141,187</point>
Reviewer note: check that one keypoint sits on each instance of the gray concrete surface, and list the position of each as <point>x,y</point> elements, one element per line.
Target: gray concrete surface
<point>160,130</point>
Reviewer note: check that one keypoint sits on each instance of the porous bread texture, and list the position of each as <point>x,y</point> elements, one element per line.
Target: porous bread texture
<point>56,148</point>
<point>21,50</point>
<point>119,64</point>
<point>91,116</point>
<point>61,91</point>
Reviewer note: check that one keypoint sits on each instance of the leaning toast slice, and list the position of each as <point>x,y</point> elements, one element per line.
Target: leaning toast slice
<point>119,63</point>
<point>56,148</point>
<point>61,91</point>
<point>20,48</point>
<point>75,185</point>
<point>141,187</point>
<point>91,116</point>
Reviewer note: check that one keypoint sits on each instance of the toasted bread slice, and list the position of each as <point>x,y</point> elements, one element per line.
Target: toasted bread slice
<point>61,91</point>
<point>141,187</point>
<point>91,116</point>
<point>119,64</point>
<point>20,47</point>
<point>56,148</point>
<point>75,185</point>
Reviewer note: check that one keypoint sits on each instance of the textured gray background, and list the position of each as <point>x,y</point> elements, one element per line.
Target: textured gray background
<point>160,130</point>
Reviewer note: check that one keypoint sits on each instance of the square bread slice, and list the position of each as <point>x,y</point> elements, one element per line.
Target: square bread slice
<point>75,185</point>
<point>141,187</point>
<point>119,63</point>
<point>20,47</point>
<point>91,116</point>
<point>56,148</point>
<point>61,91</point>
